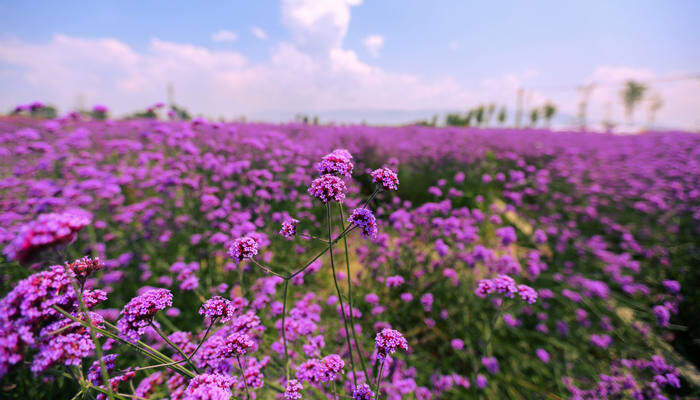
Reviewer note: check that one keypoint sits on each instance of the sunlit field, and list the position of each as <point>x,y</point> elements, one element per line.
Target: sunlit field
<point>202,260</point>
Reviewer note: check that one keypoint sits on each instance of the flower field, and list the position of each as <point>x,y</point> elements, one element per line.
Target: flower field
<point>202,260</point>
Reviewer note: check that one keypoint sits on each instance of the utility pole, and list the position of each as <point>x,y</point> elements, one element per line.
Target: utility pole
<point>583,105</point>
<point>171,94</point>
<point>519,108</point>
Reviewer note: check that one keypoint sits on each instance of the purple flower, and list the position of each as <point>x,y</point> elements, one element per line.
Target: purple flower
<point>543,355</point>
<point>426,301</point>
<point>217,307</point>
<point>363,218</point>
<point>94,372</point>
<point>457,344</point>
<point>363,392</point>
<point>387,341</point>
<point>292,390</point>
<point>85,267</point>
<point>242,248</point>
<point>386,178</point>
<point>672,286</point>
<point>603,341</point>
<point>491,364</point>
<point>505,284</point>
<point>507,235</point>
<point>328,187</point>
<point>663,316</point>
<point>394,281</point>
<point>336,163</point>
<point>527,293</point>
<point>289,228</point>
<point>209,387</point>
<point>481,381</point>
<point>45,231</point>
<point>138,314</point>
<point>235,344</point>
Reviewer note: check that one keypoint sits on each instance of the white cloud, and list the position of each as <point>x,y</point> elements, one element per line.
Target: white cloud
<point>311,73</point>
<point>373,44</point>
<point>318,25</point>
<point>258,33</point>
<point>223,35</point>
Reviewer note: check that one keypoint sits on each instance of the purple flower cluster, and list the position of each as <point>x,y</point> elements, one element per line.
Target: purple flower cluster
<point>362,392</point>
<point>45,231</point>
<point>386,178</point>
<point>235,344</point>
<point>138,314</point>
<point>85,267</point>
<point>218,307</point>
<point>292,390</point>
<point>243,248</point>
<point>339,162</point>
<point>209,387</point>
<point>506,285</point>
<point>388,341</point>
<point>27,315</point>
<point>320,370</point>
<point>289,228</point>
<point>363,218</point>
<point>328,187</point>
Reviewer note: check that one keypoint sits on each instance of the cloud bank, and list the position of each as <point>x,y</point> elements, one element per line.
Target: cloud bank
<point>310,72</point>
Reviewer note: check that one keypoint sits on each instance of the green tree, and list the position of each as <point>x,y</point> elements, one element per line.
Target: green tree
<point>548,111</point>
<point>632,94</point>
<point>534,116</point>
<point>502,116</point>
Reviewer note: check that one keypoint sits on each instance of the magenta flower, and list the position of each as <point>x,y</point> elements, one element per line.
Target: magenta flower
<point>209,387</point>
<point>138,314</point>
<point>363,218</point>
<point>386,178</point>
<point>388,341</point>
<point>289,228</point>
<point>217,307</point>
<point>46,231</point>
<point>363,392</point>
<point>336,163</point>
<point>236,344</point>
<point>243,248</point>
<point>328,187</point>
<point>292,390</point>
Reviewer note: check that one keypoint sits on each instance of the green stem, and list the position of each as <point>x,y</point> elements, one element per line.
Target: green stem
<point>284,329</point>
<point>245,381</point>
<point>177,348</point>
<point>139,346</point>
<point>379,380</point>
<point>93,335</point>
<point>340,296</point>
<point>204,338</point>
<point>352,317</point>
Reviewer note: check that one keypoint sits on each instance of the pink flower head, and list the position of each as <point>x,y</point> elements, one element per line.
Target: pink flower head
<point>289,228</point>
<point>242,248</point>
<point>386,178</point>
<point>336,163</point>
<point>328,187</point>
<point>387,341</point>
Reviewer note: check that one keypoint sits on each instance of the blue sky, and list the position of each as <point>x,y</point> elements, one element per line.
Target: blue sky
<point>424,56</point>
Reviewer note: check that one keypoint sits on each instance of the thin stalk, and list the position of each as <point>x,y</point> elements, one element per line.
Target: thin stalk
<point>379,380</point>
<point>140,346</point>
<point>158,365</point>
<point>322,252</point>
<point>340,296</point>
<point>177,348</point>
<point>203,339</point>
<point>245,381</point>
<point>352,317</point>
<point>371,197</point>
<point>93,335</point>
<point>266,269</point>
<point>284,329</point>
